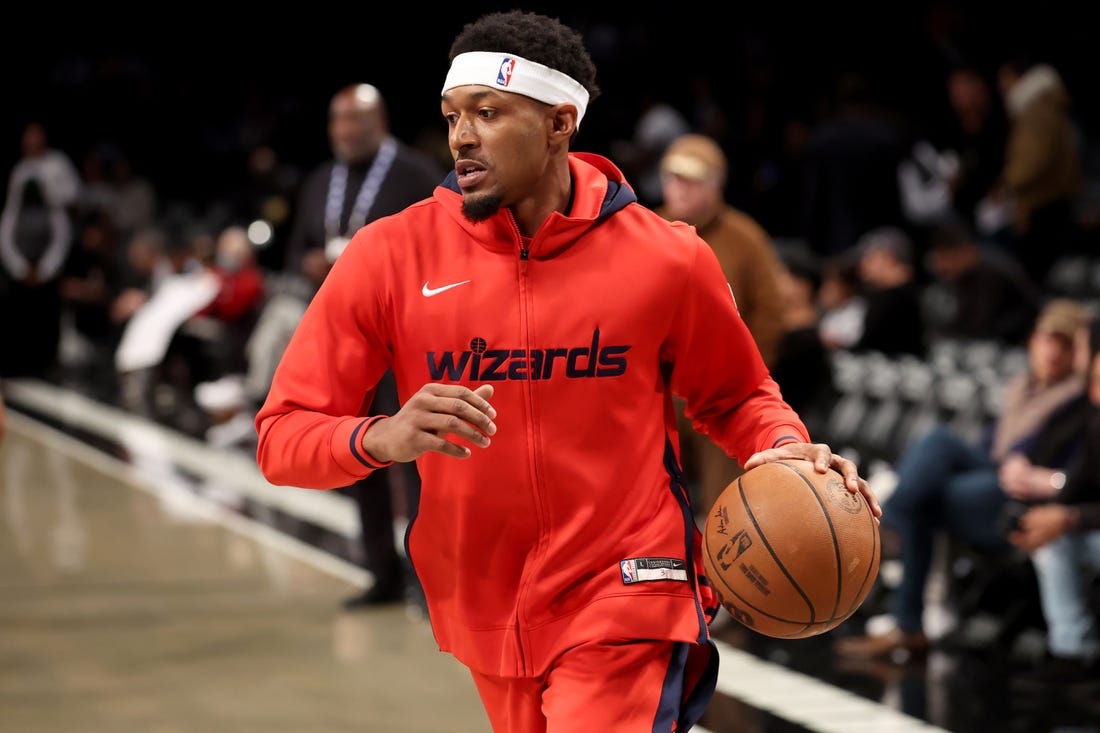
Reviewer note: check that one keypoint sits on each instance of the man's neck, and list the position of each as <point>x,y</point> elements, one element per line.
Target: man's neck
<point>556,195</point>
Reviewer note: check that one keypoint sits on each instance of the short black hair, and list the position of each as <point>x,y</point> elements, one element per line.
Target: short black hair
<point>535,37</point>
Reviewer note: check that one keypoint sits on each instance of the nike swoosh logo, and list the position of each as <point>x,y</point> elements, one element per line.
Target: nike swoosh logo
<point>429,292</point>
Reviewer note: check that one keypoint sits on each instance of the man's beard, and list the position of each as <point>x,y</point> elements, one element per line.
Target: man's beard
<point>480,208</point>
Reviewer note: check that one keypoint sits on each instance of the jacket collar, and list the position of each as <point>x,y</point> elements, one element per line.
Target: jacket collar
<point>599,190</point>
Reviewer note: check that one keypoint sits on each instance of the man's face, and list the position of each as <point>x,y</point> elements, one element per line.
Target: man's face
<point>354,128</point>
<point>499,141</point>
<point>1051,356</point>
<point>689,199</point>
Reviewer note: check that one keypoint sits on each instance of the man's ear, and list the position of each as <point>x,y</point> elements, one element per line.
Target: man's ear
<point>563,121</point>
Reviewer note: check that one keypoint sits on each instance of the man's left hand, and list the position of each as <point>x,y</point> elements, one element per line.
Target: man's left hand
<point>823,458</point>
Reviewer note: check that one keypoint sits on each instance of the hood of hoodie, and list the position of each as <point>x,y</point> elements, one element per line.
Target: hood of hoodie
<point>599,190</point>
<point>1041,82</point>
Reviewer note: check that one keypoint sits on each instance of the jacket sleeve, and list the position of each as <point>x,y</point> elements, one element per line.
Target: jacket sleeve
<point>311,425</point>
<point>717,369</point>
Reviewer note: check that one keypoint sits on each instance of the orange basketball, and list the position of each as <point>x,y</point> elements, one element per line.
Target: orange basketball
<point>790,551</point>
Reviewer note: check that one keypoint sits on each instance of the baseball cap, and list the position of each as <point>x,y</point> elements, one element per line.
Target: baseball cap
<point>1063,316</point>
<point>695,157</point>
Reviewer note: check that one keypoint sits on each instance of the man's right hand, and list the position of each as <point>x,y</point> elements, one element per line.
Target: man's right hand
<point>427,421</point>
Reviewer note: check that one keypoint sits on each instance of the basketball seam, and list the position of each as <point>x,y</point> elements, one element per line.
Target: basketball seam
<point>771,551</point>
<point>832,534</point>
<point>857,600</point>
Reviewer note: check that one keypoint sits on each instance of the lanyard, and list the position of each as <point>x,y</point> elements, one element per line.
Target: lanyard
<point>364,200</point>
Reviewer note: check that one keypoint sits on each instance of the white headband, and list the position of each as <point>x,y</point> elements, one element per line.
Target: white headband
<point>512,73</point>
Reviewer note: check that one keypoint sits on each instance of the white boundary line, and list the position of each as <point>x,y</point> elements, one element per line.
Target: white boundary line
<point>793,696</point>
<point>807,701</point>
<point>204,507</point>
<point>147,439</point>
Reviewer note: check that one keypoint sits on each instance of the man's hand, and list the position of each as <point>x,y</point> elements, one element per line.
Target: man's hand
<point>1039,525</point>
<point>823,458</point>
<point>425,422</point>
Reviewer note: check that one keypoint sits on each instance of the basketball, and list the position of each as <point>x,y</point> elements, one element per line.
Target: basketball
<point>791,552</point>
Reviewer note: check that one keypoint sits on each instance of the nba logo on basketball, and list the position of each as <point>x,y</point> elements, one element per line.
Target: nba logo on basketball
<point>505,74</point>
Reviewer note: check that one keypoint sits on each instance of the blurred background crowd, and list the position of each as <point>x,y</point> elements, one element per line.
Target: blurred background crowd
<point>923,179</point>
<point>191,149</point>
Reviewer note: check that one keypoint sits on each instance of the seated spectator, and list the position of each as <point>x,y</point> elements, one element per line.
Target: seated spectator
<point>240,296</point>
<point>235,312</point>
<point>946,483</point>
<point>893,323</point>
<point>986,294</point>
<point>841,303</point>
<point>1062,533</point>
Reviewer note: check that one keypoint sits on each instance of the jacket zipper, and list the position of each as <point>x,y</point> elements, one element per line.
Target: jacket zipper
<point>524,258</point>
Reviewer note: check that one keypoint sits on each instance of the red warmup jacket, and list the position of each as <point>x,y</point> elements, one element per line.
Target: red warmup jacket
<point>575,524</point>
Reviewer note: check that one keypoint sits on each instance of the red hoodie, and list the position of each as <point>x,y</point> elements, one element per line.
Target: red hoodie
<point>575,524</point>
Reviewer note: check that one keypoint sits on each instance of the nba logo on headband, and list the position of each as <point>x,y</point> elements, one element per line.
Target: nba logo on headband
<point>505,74</point>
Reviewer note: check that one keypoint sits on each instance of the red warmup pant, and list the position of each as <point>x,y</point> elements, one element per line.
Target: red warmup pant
<point>628,687</point>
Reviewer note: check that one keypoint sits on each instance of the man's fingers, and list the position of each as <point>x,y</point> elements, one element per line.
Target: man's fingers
<point>461,398</point>
<point>438,444</point>
<point>442,424</point>
<point>440,411</point>
<point>485,393</point>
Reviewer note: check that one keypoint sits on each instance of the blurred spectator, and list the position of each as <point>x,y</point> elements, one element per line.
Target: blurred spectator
<point>975,138</point>
<point>242,282</point>
<point>658,124</point>
<point>851,165</point>
<point>693,179</point>
<point>372,174</point>
<point>224,328</point>
<point>3,417</point>
<point>979,292</point>
<point>135,203</point>
<point>90,283</point>
<point>236,307</point>
<point>948,173</point>
<point>1062,533</point>
<point>802,367</point>
<point>157,363</point>
<point>946,483</point>
<point>141,268</point>
<point>840,301</point>
<point>36,233</point>
<point>893,323</point>
<point>1043,163</point>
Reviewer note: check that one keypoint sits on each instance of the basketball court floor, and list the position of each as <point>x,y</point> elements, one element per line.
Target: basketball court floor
<point>149,583</point>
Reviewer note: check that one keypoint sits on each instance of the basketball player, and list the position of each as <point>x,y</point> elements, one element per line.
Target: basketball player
<point>538,321</point>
